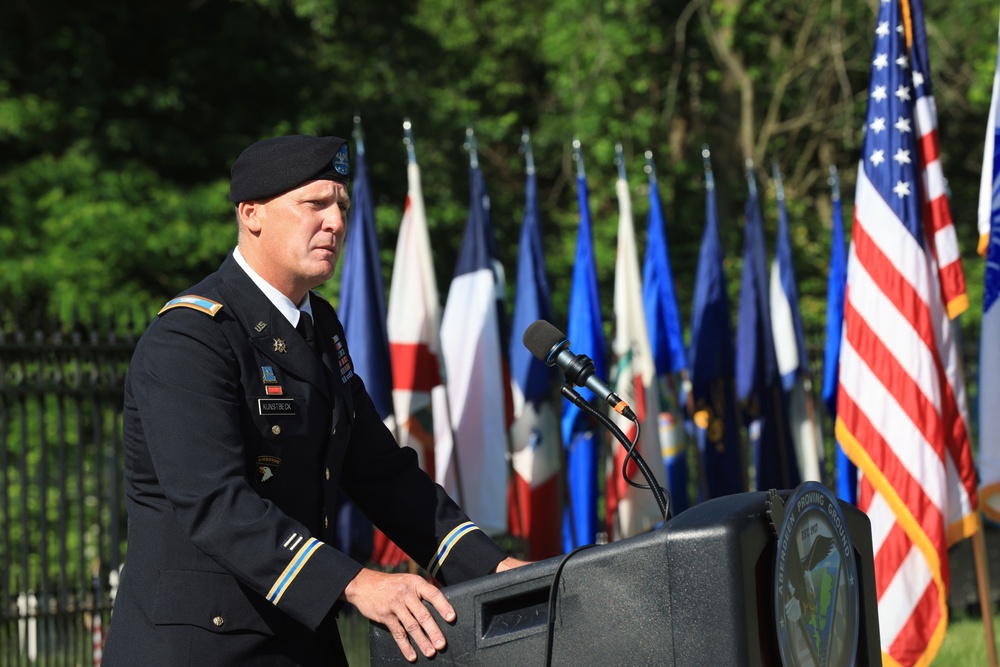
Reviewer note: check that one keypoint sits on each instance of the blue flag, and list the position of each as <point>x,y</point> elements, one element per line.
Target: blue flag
<point>580,437</point>
<point>535,507</point>
<point>666,340</point>
<point>758,385</point>
<point>836,285</point>
<point>362,310</point>
<point>716,426</point>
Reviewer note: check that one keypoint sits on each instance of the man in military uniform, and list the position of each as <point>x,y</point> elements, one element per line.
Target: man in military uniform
<point>243,416</point>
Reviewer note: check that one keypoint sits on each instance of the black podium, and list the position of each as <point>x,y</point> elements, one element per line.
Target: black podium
<point>701,590</point>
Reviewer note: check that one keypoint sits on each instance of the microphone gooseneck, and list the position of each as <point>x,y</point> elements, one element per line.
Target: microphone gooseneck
<point>551,346</point>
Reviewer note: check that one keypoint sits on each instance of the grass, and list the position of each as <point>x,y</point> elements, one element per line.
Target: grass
<point>964,644</point>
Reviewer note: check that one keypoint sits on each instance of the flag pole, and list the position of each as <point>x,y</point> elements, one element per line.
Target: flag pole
<point>706,158</point>
<point>676,383</point>
<point>614,523</point>
<point>985,600</point>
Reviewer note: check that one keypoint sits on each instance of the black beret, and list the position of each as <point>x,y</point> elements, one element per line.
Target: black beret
<point>274,166</point>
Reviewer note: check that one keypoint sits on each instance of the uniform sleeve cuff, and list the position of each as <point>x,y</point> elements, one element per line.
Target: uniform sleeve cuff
<point>308,591</point>
<point>464,553</point>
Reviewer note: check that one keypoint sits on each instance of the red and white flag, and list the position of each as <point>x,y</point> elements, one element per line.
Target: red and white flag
<point>901,402</point>
<point>414,317</point>
<point>414,320</point>
<point>632,510</point>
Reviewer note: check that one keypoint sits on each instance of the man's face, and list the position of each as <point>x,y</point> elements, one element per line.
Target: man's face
<point>301,236</point>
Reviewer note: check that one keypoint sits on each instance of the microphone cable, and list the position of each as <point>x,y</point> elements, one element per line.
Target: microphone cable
<point>659,493</point>
<point>550,622</point>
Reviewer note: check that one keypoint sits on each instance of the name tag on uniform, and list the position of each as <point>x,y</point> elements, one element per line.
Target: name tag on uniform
<point>276,406</point>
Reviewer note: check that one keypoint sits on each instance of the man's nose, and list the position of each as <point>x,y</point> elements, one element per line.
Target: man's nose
<point>335,220</point>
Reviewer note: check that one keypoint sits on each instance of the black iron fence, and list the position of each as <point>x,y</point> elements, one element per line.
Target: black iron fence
<point>62,524</point>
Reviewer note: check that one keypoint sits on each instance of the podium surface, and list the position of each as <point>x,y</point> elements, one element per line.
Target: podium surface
<point>700,590</point>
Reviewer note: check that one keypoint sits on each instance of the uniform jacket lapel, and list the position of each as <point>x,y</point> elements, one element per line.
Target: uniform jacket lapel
<point>268,329</point>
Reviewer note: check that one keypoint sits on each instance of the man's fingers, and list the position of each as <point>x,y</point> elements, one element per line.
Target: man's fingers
<point>423,616</point>
<point>402,639</point>
<point>396,600</point>
<point>439,602</point>
<point>416,632</point>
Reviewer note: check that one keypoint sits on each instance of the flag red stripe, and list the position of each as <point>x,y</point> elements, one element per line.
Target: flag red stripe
<point>910,644</point>
<point>866,492</point>
<point>534,514</point>
<point>929,150</point>
<point>414,367</point>
<point>938,215</point>
<point>891,554</point>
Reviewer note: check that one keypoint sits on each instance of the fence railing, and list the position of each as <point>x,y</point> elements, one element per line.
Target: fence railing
<point>62,524</point>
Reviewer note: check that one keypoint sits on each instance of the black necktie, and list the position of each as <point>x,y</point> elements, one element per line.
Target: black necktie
<point>306,329</point>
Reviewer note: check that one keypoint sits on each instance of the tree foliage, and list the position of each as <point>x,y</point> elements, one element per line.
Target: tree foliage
<point>118,123</point>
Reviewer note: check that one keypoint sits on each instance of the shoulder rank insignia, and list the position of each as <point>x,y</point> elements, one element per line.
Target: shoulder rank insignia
<point>195,302</point>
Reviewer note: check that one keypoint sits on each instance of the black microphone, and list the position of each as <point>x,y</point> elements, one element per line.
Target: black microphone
<point>550,345</point>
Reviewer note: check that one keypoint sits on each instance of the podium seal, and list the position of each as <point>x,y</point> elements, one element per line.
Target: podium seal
<point>815,579</point>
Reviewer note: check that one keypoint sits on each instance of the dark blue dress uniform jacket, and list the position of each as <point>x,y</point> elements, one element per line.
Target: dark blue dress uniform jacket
<point>231,487</point>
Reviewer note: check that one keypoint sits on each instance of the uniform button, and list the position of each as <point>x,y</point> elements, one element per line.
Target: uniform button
<point>353,415</point>
<point>326,522</point>
<point>276,429</point>
<point>218,621</point>
<point>328,474</point>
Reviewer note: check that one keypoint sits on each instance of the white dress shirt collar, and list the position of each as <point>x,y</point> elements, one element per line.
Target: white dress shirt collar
<point>284,305</point>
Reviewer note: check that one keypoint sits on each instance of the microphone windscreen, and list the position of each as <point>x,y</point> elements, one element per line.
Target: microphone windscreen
<point>540,338</point>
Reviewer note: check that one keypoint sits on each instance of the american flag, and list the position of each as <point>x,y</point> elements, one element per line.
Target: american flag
<point>901,406</point>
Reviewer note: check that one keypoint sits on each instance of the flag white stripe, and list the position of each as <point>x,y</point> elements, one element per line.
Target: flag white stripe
<point>882,519</point>
<point>925,110</point>
<point>901,596</point>
<point>785,344</point>
<point>934,183</point>
<point>946,245</point>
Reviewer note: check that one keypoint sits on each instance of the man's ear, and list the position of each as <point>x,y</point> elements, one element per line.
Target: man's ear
<point>250,213</point>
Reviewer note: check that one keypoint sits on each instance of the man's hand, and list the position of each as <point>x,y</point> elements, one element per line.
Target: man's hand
<point>395,600</point>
